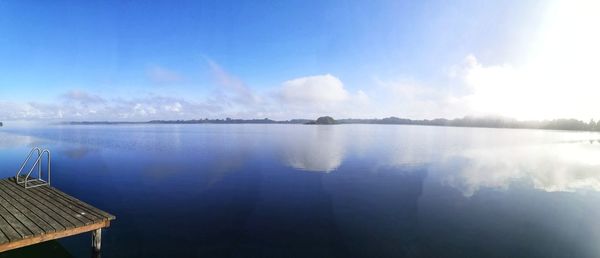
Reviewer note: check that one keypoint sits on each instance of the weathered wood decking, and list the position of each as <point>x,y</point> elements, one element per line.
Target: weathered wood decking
<point>34,215</point>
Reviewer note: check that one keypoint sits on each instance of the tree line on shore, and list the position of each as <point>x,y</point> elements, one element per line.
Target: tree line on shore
<point>489,122</point>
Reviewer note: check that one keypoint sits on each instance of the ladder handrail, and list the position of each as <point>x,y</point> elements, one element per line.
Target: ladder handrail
<point>38,160</point>
<point>39,152</point>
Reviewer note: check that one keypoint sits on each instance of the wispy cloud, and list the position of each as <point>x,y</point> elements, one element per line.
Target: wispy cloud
<point>303,97</point>
<point>82,97</point>
<point>156,107</point>
<point>10,110</point>
<point>412,98</point>
<point>135,109</point>
<point>162,75</point>
<point>232,89</point>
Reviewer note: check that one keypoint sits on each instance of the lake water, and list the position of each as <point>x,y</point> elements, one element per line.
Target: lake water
<point>324,191</point>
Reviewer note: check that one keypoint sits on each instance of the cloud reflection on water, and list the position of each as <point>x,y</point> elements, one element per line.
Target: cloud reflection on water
<point>468,159</point>
<point>550,167</point>
<point>465,159</point>
<point>318,150</point>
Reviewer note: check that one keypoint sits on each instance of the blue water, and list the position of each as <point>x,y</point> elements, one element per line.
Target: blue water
<point>324,191</point>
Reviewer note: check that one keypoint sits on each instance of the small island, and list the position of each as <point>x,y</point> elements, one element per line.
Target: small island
<point>324,120</point>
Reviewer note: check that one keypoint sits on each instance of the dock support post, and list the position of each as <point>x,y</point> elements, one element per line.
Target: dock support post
<point>96,241</point>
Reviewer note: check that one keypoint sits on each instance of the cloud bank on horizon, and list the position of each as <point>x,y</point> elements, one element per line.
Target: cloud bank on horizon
<point>548,70</point>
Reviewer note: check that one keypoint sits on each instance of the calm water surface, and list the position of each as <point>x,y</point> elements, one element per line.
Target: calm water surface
<point>324,191</point>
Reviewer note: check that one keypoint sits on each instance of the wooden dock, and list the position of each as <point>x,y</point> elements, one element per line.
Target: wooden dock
<point>43,213</point>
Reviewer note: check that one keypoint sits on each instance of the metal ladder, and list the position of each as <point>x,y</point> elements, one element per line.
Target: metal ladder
<point>26,180</point>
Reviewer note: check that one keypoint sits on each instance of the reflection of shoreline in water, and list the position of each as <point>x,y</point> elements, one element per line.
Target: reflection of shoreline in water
<point>320,150</point>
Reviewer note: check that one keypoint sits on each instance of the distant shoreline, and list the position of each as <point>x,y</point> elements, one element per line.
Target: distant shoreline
<point>484,122</point>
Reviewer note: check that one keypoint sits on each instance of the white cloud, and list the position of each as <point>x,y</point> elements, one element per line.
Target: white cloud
<point>304,97</point>
<point>175,107</point>
<point>558,77</point>
<point>27,111</point>
<point>318,95</point>
<point>154,107</point>
<point>414,99</point>
<point>530,92</point>
<point>313,90</point>
<point>136,109</point>
<point>143,109</point>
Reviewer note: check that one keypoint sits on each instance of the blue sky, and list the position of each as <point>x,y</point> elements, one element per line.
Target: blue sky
<point>134,60</point>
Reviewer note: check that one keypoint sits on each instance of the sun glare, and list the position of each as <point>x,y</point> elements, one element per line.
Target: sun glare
<point>559,78</point>
<point>565,59</point>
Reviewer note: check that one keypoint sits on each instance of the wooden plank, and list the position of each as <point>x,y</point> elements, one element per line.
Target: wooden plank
<point>55,193</point>
<point>22,191</point>
<point>66,220</point>
<point>3,238</point>
<point>25,220</point>
<point>52,236</point>
<point>65,213</point>
<point>50,201</point>
<point>75,202</point>
<point>15,223</point>
<point>29,204</point>
<point>34,215</point>
<point>16,202</point>
<point>79,210</point>
<point>83,204</point>
<point>8,231</point>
